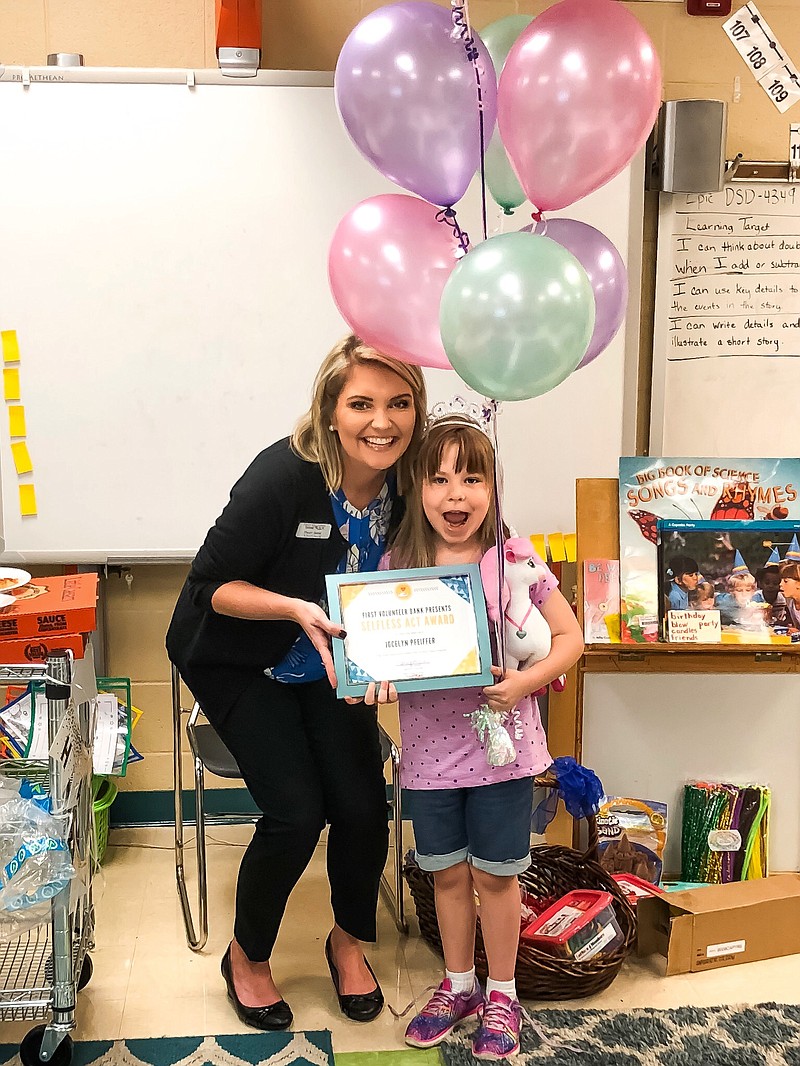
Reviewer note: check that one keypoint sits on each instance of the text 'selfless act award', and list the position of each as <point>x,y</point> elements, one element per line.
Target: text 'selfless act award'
<point>421,629</point>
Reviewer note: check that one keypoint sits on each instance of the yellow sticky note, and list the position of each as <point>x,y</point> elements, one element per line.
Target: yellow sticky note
<point>539,545</point>
<point>11,383</point>
<point>571,547</point>
<point>27,500</point>
<point>22,457</point>
<point>10,345</point>
<point>556,542</point>
<point>16,421</point>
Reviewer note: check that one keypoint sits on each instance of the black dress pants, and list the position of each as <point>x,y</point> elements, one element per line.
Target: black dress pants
<point>307,759</point>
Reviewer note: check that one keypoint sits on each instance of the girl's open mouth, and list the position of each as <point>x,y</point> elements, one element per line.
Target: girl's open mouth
<point>455,518</point>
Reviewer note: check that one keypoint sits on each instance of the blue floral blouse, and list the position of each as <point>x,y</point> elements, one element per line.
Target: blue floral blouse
<point>365,533</point>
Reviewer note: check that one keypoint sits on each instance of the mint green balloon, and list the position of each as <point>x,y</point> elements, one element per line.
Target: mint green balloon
<point>499,38</point>
<point>516,316</point>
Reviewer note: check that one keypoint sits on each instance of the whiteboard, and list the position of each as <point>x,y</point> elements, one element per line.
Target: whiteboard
<point>726,356</point>
<point>164,264</point>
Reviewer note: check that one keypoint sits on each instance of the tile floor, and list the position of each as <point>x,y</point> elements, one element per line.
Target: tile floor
<point>147,982</point>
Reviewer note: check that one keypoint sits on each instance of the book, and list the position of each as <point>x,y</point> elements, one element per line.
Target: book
<point>727,574</point>
<point>601,601</point>
<point>690,488</point>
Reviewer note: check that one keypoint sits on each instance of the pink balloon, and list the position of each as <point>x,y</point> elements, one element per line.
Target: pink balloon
<point>388,263</point>
<point>578,95</point>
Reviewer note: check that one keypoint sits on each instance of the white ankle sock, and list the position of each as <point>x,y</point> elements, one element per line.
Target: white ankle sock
<point>461,982</point>
<point>508,988</point>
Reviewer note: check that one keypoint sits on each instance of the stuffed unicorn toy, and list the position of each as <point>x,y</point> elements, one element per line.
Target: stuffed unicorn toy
<point>527,640</point>
<point>527,634</point>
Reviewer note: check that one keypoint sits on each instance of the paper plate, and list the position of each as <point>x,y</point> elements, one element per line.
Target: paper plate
<point>12,578</point>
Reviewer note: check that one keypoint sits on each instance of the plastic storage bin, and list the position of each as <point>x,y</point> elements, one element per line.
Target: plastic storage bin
<point>579,926</point>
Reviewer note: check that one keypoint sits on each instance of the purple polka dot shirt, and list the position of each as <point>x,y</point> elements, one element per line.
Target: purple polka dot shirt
<point>439,747</point>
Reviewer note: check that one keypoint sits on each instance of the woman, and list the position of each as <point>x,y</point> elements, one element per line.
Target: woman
<point>252,642</point>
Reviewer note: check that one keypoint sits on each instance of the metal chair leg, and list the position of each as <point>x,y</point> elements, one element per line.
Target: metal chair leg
<point>393,894</point>
<point>397,809</point>
<point>196,941</point>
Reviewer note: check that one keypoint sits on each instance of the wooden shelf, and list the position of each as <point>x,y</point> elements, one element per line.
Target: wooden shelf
<point>597,528</point>
<point>664,658</point>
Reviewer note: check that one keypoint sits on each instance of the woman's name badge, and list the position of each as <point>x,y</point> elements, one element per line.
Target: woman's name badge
<point>314,531</point>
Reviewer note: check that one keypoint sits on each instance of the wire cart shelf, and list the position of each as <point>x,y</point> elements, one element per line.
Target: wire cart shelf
<point>43,968</point>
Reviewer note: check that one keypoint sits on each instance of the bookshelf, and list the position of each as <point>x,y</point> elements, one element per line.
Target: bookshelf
<point>597,529</point>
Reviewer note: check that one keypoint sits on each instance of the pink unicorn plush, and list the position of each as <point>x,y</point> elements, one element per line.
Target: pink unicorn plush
<point>527,634</point>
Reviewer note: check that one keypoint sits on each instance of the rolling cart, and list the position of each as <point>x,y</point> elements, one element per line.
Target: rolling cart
<point>43,968</point>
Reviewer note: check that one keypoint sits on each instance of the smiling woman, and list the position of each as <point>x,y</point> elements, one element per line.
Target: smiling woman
<point>253,643</point>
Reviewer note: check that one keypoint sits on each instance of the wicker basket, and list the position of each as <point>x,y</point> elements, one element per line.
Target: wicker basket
<point>554,870</point>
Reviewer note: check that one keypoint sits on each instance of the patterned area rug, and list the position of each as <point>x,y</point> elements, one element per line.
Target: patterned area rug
<point>276,1049</point>
<point>767,1034</point>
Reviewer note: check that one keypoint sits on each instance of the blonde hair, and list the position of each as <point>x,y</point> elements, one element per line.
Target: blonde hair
<point>740,582</point>
<point>313,441</point>
<point>415,542</point>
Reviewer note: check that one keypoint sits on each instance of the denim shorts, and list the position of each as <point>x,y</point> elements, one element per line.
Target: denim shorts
<point>488,826</point>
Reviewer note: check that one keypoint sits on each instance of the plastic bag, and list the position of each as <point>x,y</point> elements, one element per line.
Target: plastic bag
<point>35,861</point>
<point>632,835</point>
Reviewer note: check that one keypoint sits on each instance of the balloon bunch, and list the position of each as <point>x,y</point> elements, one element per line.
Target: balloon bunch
<point>575,92</point>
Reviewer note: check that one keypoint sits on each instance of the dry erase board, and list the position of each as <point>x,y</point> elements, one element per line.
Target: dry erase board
<point>726,359</point>
<point>164,265</point>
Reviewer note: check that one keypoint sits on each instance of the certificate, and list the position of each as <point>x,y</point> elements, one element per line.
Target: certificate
<point>421,629</point>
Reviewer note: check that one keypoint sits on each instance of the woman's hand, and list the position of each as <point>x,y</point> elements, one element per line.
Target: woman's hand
<point>319,629</point>
<point>507,692</point>
<point>380,692</point>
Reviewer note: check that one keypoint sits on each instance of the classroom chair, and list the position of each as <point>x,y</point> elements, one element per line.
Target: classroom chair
<point>210,754</point>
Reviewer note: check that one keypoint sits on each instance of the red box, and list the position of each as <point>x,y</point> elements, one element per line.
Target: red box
<point>36,649</point>
<point>51,606</point>
<point>634,888</point>
<point>579,926</point>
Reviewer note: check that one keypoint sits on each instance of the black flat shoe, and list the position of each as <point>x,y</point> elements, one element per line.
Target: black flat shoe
<point>358,1008</point>
<point>272,1017</point>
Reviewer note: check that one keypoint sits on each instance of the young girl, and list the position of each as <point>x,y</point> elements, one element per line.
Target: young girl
<point>471,820</point>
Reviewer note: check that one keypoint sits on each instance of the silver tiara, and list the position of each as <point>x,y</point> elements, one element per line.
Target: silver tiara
<point>482,414</point>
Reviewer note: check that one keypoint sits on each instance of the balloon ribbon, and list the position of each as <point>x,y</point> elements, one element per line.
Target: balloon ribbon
<point>463,30</point>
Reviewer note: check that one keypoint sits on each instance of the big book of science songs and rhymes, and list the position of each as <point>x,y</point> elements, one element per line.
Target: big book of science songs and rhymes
<point>695,489</point>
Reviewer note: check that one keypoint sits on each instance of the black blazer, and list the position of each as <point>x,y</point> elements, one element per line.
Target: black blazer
<point>255,539</point>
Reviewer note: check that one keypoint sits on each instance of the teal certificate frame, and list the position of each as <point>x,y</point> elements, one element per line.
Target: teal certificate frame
<point>422,629</point>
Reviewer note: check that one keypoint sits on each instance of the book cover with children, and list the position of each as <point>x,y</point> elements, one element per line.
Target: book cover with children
<point>688,488</point>
<point>738,571</point>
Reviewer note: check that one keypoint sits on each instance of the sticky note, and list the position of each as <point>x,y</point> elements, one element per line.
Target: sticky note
<point>22,457</point>
<point>10,345</point>
<point>556,542</point>
<point>571,547</point>
<point>16,421</point>
<point>11,383</point>
<point>27,500</point>
<point>539,545</point>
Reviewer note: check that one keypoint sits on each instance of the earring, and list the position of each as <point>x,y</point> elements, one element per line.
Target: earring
<point>331,428</point>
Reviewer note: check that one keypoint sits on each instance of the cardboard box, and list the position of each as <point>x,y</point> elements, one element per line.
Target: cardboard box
<point>36,649</point>
<point>49,606</point>
<point>722,925</point>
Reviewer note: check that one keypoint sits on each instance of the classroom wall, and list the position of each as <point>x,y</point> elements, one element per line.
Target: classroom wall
<point>698,61</point>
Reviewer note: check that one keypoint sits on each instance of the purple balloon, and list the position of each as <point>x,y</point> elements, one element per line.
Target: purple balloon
<point>605,269</point>
<point>407,95</point>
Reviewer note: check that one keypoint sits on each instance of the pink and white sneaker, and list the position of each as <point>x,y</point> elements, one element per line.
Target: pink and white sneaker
<point>498,1034</point>
<point>444,1011</point>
